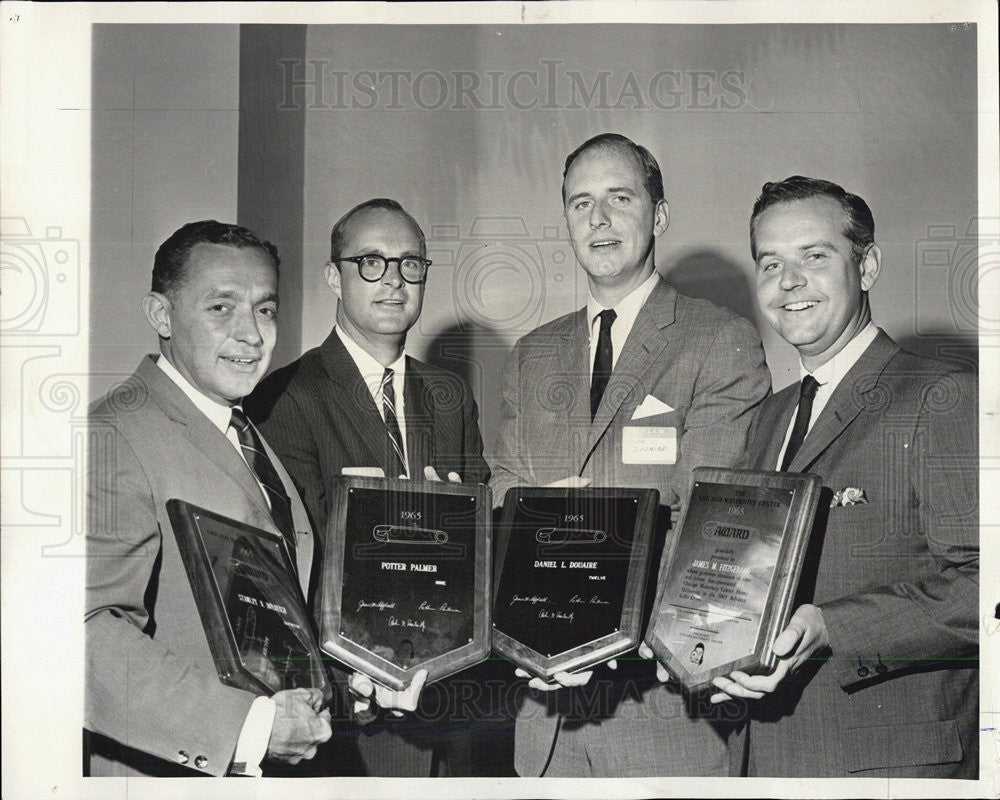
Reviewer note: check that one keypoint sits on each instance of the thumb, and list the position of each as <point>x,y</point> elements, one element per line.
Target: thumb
<point>784,645</point>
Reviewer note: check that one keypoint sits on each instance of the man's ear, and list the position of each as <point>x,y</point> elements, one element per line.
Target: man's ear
<point>870,266</point>
<point>157,308</point>
<point>661,217</point>
<point>332,275</point>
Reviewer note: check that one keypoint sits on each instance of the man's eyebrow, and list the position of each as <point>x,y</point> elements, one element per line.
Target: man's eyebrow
<point>821,243</point>
<point>622,190</point>
<point>574,197</point>
<point>270,297</point>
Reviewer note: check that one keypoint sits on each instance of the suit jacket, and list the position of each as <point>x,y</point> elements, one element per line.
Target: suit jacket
<point>707,365</point>
<point>320,416</point>
<point>153,697</point>
<point>896,577</point>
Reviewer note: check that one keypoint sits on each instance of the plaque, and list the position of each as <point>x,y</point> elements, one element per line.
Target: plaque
<point>251,606</point>
<point>726,588</point>
<point>571,574</point>
<point>406,577</point>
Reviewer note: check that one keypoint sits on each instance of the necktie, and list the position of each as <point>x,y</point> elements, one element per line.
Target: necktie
<point>806,394</point>
<point>391,423</point>
<point>602,361</point>
<point>266,475</point>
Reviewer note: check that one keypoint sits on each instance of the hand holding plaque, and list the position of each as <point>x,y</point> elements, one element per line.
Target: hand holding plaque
<point>726,587</point>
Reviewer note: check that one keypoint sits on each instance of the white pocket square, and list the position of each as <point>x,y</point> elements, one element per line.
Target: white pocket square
<point>650,407</point>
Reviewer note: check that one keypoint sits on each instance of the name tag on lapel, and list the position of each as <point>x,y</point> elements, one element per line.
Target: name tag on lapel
<point>649,445</point>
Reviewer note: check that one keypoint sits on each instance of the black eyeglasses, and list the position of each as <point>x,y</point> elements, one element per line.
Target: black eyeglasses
<point>372,266</point>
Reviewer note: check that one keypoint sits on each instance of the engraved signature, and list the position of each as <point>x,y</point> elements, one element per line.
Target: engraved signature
<point>379,605</point>
<point>396,622</point>
<point>594,600</point>
<point>545,614</point>
<point>532,599</point>
<point>425,606</point>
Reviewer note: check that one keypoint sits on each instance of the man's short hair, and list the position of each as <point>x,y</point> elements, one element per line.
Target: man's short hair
<point>652,178</point>
<point>171,258</point>
<point>859,225</point>
<point>337,234</point>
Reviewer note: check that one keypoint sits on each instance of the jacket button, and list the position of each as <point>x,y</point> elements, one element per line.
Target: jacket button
<point>863,672</point>
<point>182,757</point>
<point>201,762</point>
<point>881,669</point>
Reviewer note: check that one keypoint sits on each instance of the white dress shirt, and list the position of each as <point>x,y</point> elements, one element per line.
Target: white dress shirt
<point>251,747</point>
<point>626,311</point>
<point>371,373</point>
<point>829,375</point>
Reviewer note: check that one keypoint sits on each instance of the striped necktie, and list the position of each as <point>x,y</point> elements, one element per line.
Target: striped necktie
<point>265,473</point>
<point>391,422</point>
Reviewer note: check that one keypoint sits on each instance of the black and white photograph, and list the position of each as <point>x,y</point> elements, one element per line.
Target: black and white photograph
<point>361,363</point>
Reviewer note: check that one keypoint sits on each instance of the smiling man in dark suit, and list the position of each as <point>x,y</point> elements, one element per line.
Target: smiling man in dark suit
<point>634,390</point>
<point>154,703</point>
<point>880,676</point>
<point>358,400</point>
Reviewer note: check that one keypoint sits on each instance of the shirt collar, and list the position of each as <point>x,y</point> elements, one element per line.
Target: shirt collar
<point>628,307</point>
<point>369,367</point>
<point>832,372</point>
<point>219,414</point>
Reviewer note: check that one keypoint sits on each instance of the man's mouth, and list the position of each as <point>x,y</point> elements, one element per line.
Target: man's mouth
<point>242,361</point>
<point>391,301</point>
<point>599,243</point>
<point>801,305</point>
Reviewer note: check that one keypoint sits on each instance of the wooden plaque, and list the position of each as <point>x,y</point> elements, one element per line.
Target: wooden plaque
<point>406,577</point>
<point>726,588</point>
<point>250,602</point>
<point>571,573</point>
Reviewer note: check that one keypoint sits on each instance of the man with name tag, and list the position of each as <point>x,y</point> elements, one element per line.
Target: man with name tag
<point>634,390</point>
<point>879,673</point>
<point>154,703</point>
<point>359,402</point>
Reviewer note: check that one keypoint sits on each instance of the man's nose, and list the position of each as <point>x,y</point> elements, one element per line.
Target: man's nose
<point>247,329</point>
<point>599,216</point>
<point>393,275</point>
<point>792,277</point>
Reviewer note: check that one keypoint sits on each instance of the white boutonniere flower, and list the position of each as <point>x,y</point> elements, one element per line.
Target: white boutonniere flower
<point>848,496</point>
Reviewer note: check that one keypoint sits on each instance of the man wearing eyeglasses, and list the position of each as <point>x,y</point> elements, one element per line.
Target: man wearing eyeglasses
<point>358,400</point>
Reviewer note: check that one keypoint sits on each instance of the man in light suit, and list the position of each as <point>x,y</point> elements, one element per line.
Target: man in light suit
<point>358,400</point>
<point>634,390</point>
<point>879,676</point>
<point>154,702</point>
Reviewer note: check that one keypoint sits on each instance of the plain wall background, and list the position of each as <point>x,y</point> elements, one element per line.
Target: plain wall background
<point>888,111</point>
<point>164,133</point>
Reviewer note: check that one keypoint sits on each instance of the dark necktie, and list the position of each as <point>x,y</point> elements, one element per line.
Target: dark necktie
<point>806,394</point>
<point>391,423</point>
<point>266,475</point>
<point>602,361</point>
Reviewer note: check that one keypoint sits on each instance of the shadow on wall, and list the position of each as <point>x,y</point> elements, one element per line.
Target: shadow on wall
<point>711,276</point>
<point>478,354</point>
<point>960,350</point>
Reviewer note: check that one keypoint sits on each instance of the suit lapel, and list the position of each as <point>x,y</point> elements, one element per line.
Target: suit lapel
<point>349,394</point>
<point>847,401</point>
<point>642,349</point>
<point>200,432</point>
<point>771,427</point>
<point>572,356</point>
